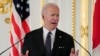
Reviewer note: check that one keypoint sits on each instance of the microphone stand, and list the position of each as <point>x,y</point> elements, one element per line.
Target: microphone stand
<point>10,47</point>
<point>82,47</point>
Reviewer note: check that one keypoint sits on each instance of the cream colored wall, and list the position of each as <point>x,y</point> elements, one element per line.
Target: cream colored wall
<point>4,34</point>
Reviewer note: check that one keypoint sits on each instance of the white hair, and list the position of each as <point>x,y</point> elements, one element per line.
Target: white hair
<point>48,5</point>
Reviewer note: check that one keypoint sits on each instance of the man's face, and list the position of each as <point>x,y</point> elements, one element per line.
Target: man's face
<point>51,17</point>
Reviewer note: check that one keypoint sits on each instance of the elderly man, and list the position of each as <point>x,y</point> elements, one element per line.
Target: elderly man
<point>48,40</point>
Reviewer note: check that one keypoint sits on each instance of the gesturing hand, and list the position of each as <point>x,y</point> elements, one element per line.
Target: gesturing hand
<point>73,53</point>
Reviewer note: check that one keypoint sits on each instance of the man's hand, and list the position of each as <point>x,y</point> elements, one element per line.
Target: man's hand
<point>27,52</point>
<point>73,53</point>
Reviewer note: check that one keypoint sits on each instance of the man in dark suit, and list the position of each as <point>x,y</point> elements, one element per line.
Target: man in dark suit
<point>60,43</point>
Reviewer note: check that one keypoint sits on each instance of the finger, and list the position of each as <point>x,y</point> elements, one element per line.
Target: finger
<point>27,52</point>
<point>22,55</point>
<point>72,50</point>
<point>77,52</point>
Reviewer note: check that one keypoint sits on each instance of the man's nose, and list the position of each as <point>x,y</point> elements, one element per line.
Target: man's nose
<point>56,17</point>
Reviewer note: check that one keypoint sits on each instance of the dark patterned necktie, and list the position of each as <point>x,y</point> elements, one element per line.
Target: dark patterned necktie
<point>48,44</point>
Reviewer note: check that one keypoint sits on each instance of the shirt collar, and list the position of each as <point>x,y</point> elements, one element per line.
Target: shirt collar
<point>46,30</point>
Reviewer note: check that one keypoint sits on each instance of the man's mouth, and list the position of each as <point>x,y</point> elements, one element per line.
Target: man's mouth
<point>53,22</point>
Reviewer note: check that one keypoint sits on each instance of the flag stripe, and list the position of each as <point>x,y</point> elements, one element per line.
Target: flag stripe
<point>16,29</point>
<point>14,48</point>
<point>25,26</point>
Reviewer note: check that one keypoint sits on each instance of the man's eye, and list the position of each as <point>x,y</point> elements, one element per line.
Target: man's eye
<point>58,15</point>
<point>55,15</point>
<point>52,15</point>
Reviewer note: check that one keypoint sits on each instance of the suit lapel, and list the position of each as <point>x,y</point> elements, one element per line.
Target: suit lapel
<point>40,41</point>
<point>56,42</point>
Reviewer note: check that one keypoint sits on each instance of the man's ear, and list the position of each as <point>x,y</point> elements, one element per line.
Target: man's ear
<point>42,16</point>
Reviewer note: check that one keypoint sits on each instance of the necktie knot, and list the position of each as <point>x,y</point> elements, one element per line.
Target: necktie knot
<point>49,33</point>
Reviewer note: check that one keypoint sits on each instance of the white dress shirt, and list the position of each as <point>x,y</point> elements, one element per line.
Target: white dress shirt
<point>45,32</point>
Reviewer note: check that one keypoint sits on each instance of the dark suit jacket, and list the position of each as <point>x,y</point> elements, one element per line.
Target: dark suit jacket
<point>34,43</point>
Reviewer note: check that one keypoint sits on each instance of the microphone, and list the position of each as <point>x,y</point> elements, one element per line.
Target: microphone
<point>82,46</point>
<point>10,46</point>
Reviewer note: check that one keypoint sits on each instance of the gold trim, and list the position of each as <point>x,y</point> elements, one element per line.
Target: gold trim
<point>42,4</point>
<point>5,6</point>
<point>84,26</point>
<point>5,9</point>
<point>7,20</point>
<point>73,18</point>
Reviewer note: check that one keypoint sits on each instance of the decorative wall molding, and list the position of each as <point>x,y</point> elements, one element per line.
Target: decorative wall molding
<point>5,9</point>
<point>83,24</point>
<point>5,6</point>
<point>74,18</point>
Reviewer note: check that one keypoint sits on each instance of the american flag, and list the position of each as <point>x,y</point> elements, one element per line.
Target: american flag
<point>19,25</point>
